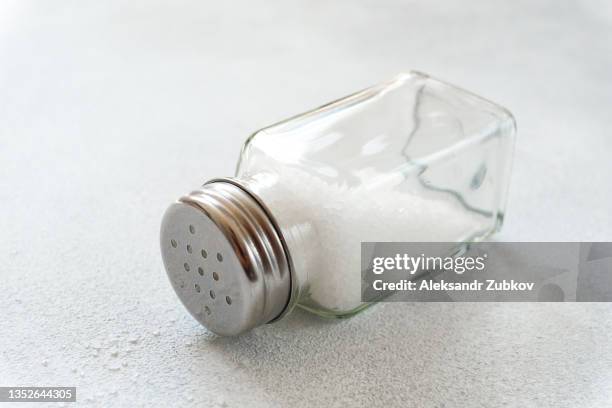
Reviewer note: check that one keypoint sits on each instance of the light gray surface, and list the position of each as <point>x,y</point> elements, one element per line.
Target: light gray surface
<point>110,110</point>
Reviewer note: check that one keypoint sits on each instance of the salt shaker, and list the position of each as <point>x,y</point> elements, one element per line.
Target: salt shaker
<point>410,159</point>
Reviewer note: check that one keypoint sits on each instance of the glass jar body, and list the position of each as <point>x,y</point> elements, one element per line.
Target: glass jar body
<point>411,159</point>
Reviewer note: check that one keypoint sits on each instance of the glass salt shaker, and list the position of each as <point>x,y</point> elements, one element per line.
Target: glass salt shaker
<point>411,159</point>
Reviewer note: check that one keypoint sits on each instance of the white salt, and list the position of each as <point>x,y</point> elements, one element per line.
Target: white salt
<point>324,225</point>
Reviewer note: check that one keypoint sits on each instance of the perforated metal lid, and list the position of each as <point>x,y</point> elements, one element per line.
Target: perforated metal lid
<point>225,258</point>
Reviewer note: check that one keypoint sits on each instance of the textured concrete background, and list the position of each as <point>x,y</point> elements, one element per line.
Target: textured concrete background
<point>110,110</point>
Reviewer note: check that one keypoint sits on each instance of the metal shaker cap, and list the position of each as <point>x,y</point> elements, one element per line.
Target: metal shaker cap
<point>226,258</point>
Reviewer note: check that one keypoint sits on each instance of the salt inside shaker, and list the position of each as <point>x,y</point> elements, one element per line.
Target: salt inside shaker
<point>411,159</point>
